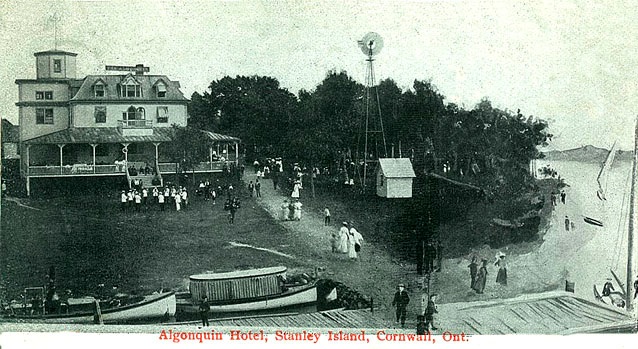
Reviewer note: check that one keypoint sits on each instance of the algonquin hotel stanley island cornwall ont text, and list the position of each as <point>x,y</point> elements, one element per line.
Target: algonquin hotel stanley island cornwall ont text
<point>340,336</point>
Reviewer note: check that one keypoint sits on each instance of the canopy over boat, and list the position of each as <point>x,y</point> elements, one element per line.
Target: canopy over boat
<point>239,274</point>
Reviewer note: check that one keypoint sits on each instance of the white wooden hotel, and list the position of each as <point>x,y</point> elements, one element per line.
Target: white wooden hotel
<point>100,125</point>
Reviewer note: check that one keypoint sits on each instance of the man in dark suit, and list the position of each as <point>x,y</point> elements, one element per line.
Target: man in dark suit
<point>401,300</point>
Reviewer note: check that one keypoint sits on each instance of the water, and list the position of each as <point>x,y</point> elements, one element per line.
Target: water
<point>586,255</point>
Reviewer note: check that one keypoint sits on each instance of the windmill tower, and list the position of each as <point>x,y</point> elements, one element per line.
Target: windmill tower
<point>374,143</point>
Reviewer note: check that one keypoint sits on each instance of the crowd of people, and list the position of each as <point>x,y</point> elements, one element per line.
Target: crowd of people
<point>138,197</point>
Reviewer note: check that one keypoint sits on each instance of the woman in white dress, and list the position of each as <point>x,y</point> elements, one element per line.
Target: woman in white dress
<point>352,253</point>
<point>285,211</point>
<point>178,202</point>
<point>295,191</point>
<point>343,239</point>
<point>296,215</point>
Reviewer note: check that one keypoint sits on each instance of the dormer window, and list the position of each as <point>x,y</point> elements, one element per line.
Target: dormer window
<point>99,90</point>
<point>161,91</point>
<point>130,87</point>
<point>131,90</point>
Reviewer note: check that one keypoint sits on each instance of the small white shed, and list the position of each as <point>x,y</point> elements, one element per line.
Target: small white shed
<point>394,178</point>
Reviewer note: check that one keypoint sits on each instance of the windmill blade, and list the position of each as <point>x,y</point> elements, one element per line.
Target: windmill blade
<point>371,44</point>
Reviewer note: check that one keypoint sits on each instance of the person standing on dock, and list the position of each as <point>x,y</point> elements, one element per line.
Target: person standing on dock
<point>401,301</point>
<point>204,308</point>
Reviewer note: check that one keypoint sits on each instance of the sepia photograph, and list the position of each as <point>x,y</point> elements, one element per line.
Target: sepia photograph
<point>385,173</point>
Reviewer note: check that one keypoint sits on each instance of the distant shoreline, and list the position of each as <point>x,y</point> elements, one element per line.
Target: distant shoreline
<point>587,153</point>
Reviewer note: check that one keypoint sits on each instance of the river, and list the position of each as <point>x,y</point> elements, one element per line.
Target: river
<point>586,254</point>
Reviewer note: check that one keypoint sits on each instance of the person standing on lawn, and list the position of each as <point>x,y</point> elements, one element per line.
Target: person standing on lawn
<point>473,271</point>
<point>501,276</point>
<point>326,216</point>
<point>160,200</point>
<point>251,188</point>
<point>358,240</point>
<point>123,200</point>
<point>296,215</point>
<point>285,211</point>
<point>258,188</point>
<point>400,301</point>
<point>430,310</point>
<point>178,201</point>
<point>343,238</point>
<point>352,252</point>
<point>481,278</point>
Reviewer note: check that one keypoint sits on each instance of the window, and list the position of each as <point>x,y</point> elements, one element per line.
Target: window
<point>44,116</point>
<point>100,115</point>
<point>131,90</point>
<point>162,114</point>
<point>99,90</point>
<point>57,65</point>
<point>130,113</point>
<point>40,95</point>
<point>161,90</point>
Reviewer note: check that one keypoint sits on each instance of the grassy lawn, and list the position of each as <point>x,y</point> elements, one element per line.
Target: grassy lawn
<point>90,242</point>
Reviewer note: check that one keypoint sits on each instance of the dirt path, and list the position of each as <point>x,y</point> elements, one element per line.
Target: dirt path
<point>374,275</point>
<point>562,256</point>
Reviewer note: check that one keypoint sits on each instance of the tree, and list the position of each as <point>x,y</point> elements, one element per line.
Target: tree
<point>188,147</point>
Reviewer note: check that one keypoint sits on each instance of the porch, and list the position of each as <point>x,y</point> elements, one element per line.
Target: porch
<point>71,153</point>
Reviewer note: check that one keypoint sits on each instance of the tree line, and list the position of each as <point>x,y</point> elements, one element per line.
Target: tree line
<point>485,146</point>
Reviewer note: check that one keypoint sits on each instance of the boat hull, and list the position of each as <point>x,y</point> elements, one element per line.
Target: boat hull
<point>153,307</point>
<point>293,299</point>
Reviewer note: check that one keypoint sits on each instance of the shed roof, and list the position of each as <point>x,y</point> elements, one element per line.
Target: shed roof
<point>113,135</point>
<point>100,135</point>
<point>545,313</point>
<point>396,168</point>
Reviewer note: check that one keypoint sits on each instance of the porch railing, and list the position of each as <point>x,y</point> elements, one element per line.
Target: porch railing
<point>136,123</point>
<point>76,169</point>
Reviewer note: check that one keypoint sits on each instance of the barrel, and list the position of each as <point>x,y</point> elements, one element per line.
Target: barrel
<point>237,285</point>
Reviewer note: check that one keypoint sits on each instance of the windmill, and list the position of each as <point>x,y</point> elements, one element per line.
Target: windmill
<point>371,45</point>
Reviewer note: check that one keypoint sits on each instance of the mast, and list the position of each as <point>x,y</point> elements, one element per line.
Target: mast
<point>632,221</point>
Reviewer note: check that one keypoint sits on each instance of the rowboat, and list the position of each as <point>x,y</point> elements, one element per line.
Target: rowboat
<point>89,310</point>
<point>263,290</point>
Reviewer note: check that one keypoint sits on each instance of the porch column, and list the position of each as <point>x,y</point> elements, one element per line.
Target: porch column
<point>27,171</point>
<point>156,156</point>
<point>125,151</point>
<point>93,146</point>
<point>27,147</point>
<point>226,152</point>
<point>210,156</point>
<point>218,152</point>
<point>236,154</point>
<point>61,146</point>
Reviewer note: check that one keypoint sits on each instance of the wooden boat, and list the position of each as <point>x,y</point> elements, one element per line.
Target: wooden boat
<point>247,292</point>
<point>89,310</point>
<point>593,221</point>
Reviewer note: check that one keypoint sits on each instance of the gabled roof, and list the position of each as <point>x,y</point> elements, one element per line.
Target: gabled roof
<point>10,132</point>
<point>147,82</point>
<point>396,168</point>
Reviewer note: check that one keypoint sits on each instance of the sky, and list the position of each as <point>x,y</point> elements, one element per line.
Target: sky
<point>572,63</point>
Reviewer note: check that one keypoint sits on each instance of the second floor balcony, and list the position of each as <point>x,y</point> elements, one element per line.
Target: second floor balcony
<point>136,123</point>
